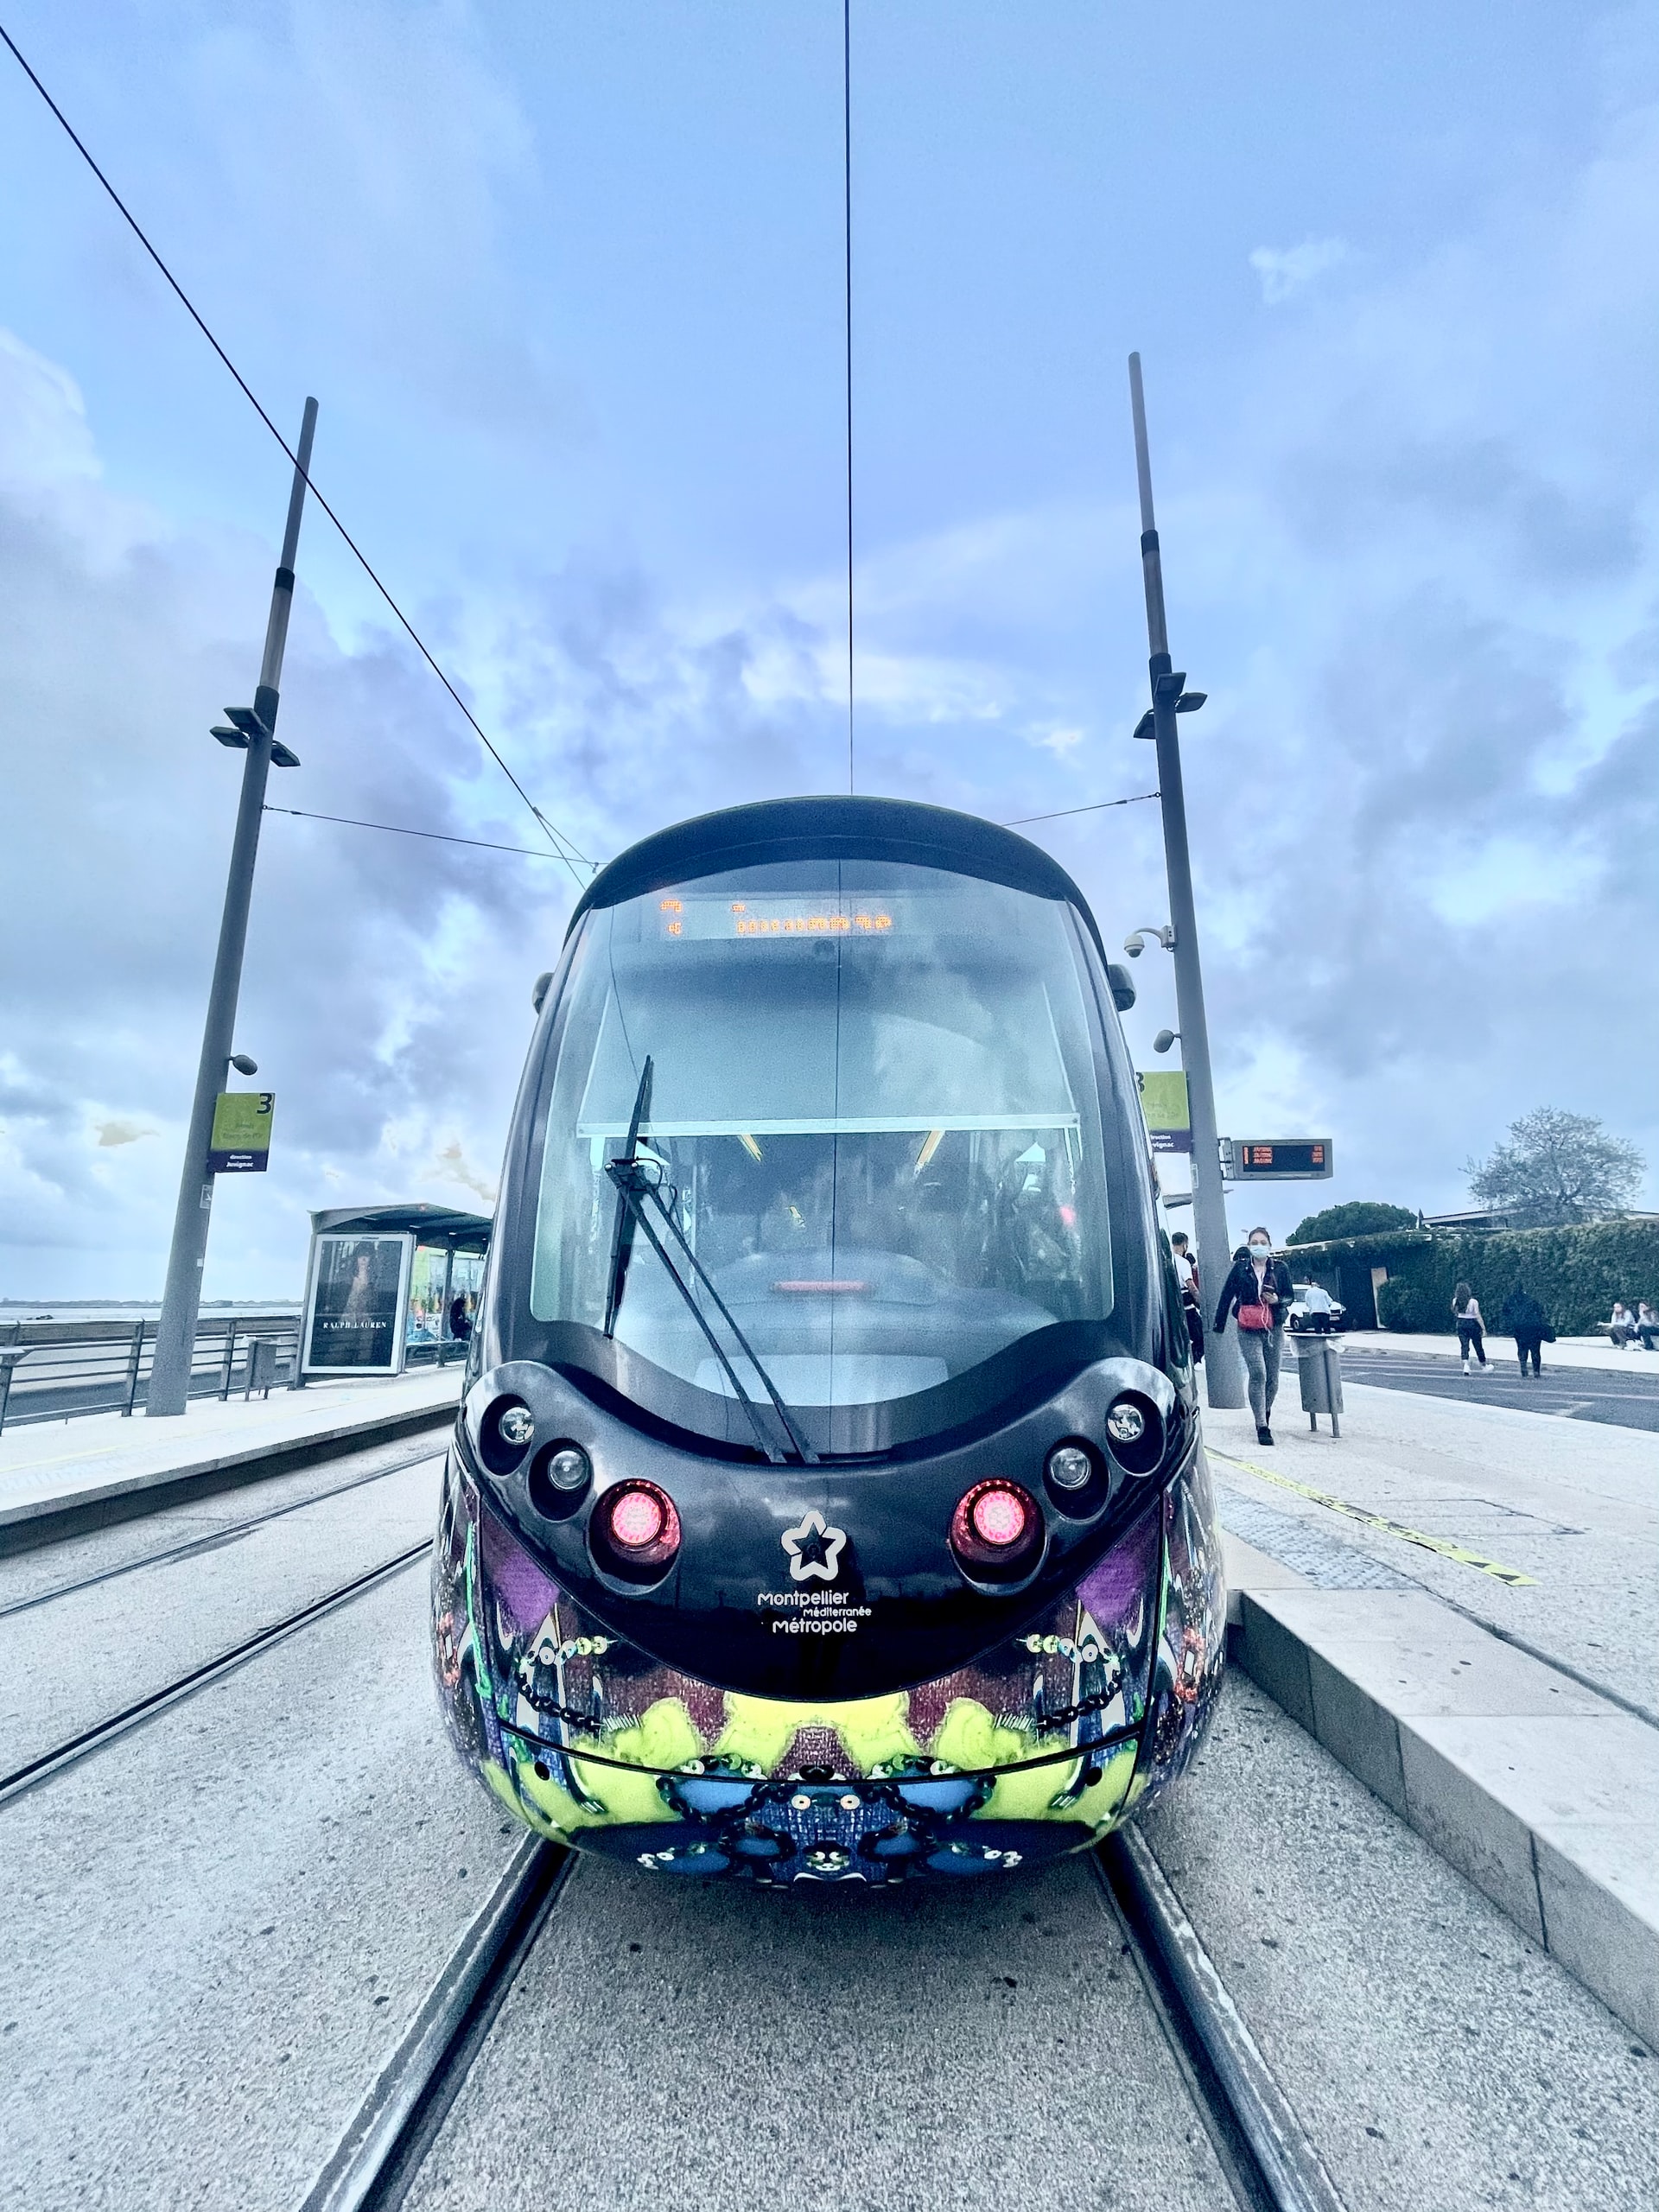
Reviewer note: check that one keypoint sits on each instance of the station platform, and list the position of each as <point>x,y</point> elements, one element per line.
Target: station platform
<point>58,1478</point>
<point>1458,1601</point>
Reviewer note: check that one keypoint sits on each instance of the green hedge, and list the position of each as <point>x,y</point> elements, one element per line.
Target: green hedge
<point>1574,1274</point>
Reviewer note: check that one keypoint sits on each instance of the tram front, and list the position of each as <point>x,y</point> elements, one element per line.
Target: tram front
<point>827,1499</point>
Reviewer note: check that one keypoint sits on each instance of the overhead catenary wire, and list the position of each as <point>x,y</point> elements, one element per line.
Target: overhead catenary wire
<point>535,853</point>
<point>1098,806</point>
<point>438,836</point>
<point>847,235</point>
<point>556,837</point>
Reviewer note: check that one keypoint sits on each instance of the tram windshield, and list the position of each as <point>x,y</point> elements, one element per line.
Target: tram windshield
<point>875,1099</point>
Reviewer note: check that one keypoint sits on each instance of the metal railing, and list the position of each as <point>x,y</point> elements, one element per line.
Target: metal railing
<point>54,1371</point>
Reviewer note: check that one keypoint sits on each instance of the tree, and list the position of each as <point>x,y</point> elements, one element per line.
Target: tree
<point>1359,1218</point>
<point>1557,1168</point>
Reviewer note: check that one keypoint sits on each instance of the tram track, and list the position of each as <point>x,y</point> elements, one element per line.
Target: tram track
<point>1269,2160</point>
<point>71,1750</point>
<point>381,2150</point>
<point>214,1540</point>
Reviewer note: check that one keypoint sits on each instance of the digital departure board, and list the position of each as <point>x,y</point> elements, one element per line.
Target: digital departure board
<point>1281,1160</point>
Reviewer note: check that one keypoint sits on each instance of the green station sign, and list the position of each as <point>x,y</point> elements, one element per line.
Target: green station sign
<point>240,1144</point>
<point>1163,1101</point>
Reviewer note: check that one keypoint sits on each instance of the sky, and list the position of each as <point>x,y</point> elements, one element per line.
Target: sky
<point>567,282</point>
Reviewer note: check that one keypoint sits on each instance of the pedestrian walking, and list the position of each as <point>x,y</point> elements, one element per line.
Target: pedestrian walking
<point>1525,1320</point>
<point>1646,1324</point>
<point>1621,1324</point>
<point>1186,1274</point>
<point>1258,1290</point>
<point>1471,1335</point>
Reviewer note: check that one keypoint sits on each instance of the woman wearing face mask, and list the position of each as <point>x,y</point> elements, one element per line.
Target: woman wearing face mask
<point>1258,1290</point>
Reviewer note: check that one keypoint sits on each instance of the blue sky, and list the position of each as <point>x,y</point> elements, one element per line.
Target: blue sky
<point>567,281</point>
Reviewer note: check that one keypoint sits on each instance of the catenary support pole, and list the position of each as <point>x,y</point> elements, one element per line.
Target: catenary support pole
<point>1223,1367</point>
<point>175,1333</point>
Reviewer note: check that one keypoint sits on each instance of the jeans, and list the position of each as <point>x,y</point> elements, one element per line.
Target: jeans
<point>1647,1331</point>
<point>1527,1341</point>
<point>1261,1349</point>
<point>1470,1338</point>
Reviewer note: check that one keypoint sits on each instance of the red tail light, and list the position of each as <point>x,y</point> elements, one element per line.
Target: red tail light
<point>996,1528</point>
<point>638,1527</point>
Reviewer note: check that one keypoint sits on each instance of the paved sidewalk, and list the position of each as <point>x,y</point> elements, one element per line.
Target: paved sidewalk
<point>53,1466</point>
<point>1462,1603</point>
<point>1565,1352</point>
<point>1543,1794</point>
<point>1568,1509</point>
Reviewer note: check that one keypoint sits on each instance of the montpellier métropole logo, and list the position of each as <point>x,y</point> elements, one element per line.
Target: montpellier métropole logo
<point>813,1549</point>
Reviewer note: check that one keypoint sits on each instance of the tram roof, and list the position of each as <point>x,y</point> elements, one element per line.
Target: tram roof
<point>849,828</point>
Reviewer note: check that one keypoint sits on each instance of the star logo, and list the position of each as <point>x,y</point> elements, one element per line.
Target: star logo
<point>813,1549</point>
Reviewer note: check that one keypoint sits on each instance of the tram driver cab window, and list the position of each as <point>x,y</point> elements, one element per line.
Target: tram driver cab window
<point>875,1099</point>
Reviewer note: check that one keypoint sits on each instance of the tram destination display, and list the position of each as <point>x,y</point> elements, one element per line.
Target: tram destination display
<point>240,1143</point>
<point>355,1304</point>
<point>1281,1160</point>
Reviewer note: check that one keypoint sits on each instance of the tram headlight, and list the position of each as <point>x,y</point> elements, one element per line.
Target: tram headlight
<point>568,1467</point>
<point>1069,1466</point>
<point>517,1425</point>
<point>1078,1481</point>
<point>1134,1433</point>
<point>1125,1422</point>
<point>635,1531</point>
<point>559,1475</point>
<point>996,1531</point>
<point>505,1434</point>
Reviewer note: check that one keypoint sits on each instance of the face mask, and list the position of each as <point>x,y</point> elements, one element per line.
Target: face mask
<point>1259,1251</point>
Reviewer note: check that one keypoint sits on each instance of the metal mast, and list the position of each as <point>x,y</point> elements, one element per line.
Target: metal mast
<point>1223,1367</point>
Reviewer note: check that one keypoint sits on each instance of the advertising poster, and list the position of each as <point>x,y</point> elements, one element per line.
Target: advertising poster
<point>240,1143</point>
<point>354,1323</point>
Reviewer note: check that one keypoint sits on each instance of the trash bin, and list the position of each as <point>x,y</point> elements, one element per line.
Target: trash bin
<point>262,1366</point>
<point>1318,1370</point>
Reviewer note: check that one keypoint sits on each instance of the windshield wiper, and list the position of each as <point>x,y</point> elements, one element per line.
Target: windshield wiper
<point>638,1195</point>
<point>622,1230</point>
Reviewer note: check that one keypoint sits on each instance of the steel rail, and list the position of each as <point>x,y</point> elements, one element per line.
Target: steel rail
<point>1265,2153</point>
<point>49,1764</point>
<point>215,1538</point>
<point>382,2148</point>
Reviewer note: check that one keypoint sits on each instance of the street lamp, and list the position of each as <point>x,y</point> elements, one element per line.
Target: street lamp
<point>1164,1039</point>
<point>251,731</point>
<point>1223,1366</point>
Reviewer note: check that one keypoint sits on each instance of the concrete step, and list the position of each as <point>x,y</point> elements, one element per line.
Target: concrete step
<point>1545,1794</point>
<point>61,1480</point>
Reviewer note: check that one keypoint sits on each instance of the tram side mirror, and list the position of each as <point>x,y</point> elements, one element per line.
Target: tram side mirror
<point>538,995</point>
<point>1123,989</point>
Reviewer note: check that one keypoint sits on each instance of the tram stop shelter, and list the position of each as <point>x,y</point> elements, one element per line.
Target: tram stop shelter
<point>390,1287</point>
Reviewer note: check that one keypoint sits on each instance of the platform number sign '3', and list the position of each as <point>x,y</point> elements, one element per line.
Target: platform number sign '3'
<point>240,1144</point>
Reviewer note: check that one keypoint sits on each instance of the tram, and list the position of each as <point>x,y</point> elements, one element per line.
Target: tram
<point>826,1500</point>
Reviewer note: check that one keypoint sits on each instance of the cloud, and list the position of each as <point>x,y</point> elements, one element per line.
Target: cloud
<point>1411,557</point>
<point>454,1163</point>
<point>386,984</point>
<point>118,1132</point>
<point>1286,271</point>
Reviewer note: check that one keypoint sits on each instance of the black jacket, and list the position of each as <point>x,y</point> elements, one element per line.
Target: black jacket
<point>1522,1311</point>
<point>1240,1289</point>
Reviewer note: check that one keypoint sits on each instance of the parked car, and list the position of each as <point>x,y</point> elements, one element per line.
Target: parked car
<point>1313,1309</point>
